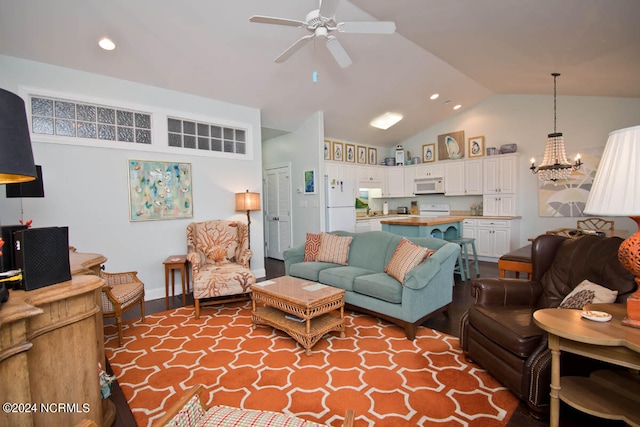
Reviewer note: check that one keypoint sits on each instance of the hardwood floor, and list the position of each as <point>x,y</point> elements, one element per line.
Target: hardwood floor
<point>461,300</point>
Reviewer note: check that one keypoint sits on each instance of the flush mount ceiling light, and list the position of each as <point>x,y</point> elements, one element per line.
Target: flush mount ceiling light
<point>555,165</point>
<point>106,43</point>
<point>386,120</point>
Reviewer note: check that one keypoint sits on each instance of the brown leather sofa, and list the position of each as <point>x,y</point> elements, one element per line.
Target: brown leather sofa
<point>498,331</point>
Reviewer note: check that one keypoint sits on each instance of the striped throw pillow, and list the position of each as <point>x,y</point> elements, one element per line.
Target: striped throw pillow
<point>334,248</point>
<point>311,247</point>
<point>406,256</point>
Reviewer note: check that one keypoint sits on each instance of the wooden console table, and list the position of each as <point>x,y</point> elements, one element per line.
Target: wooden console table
<point>604,394</point>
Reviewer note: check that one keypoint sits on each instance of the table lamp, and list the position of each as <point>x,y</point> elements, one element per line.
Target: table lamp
<point>248,202</point>
<point>616,192</point>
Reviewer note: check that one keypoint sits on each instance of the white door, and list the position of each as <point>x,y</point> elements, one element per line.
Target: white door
<point>277,211</point>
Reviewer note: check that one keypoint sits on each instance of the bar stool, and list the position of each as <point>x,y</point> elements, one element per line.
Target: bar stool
<point>463,257</point>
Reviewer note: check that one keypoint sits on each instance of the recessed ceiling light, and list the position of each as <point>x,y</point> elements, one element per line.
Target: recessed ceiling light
<point>106,43</point>
<point>434,96</point>
<point>386,120</point>
<point>457,107</point>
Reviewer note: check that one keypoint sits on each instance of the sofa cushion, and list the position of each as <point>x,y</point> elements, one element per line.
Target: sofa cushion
<point>342,277</point>
<point>311,247</point>
<point>380,286</point>
<point>372,250</point>
<point>406,256</point>
<point>334,248</point>
<point>511,327</point>
<point>588,293</point>
<point>309,270</point>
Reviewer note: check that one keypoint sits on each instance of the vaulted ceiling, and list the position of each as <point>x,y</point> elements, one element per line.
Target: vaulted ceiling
<point>465,50</point>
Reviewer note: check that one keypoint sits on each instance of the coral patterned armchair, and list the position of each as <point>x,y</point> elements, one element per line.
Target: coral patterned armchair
<point>219,256</point>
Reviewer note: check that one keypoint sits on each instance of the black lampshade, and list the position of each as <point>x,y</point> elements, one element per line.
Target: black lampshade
<point>16,157</point>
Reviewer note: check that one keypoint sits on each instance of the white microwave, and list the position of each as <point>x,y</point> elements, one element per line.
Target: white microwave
<point>428,186</point>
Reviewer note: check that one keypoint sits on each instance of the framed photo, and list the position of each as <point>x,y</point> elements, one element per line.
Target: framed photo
<point>350,153</point>
<point>338,149</point>
<point>159,190</point>
<point>310,182</point>
<point>362,154</point>
<point>327,150</point>
<point>373,156</point>
<point>476,146</point>
<point>429,153</point>
<point>451,145</point>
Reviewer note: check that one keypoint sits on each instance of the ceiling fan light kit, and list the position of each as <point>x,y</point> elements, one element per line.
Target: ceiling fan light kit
<point>321,23</point>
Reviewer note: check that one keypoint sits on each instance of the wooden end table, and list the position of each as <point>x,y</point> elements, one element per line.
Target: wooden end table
<point>176,262</point>
<point>311,302</point>
<point>603,394</point>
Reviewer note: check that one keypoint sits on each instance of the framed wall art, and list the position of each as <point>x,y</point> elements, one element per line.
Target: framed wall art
<point>350,153</point>
<point>451,145</point>
<point>476,146</point>
<point>373,156</point>
<point>159,190</point>
<point>327,150</point>
<point>362,154</point>
<point>338,149</point>
<point>310,182</point>
<point>428,153</point>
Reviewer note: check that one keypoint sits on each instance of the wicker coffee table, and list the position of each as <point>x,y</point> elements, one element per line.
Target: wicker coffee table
<point>313,303</point>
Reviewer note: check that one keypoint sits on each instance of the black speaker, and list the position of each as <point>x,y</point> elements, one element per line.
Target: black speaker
<point>43,256</point>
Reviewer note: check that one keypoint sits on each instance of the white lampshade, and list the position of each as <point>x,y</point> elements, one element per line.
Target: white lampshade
<point>616,187</point>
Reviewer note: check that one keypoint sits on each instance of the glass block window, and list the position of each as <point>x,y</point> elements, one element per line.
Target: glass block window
<point>206,136</point>
<point>59,117</point>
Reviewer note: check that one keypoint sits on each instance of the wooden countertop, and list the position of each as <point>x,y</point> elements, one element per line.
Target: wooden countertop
<point>424,220</point>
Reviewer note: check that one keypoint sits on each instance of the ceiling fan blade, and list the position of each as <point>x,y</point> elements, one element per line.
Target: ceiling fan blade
<point>293,49</point>
<point>278,21</point>
<point>328,7</point>
<point>375,27</point>
<point>339,54</point>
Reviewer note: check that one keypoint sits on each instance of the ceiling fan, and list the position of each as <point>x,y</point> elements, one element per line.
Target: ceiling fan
<point>320,23</point>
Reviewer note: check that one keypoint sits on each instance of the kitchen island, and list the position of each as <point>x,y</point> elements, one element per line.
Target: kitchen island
<point>445,227</point>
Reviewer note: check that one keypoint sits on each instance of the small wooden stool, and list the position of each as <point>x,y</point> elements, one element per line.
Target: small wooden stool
<point>518,261</point>
<point>176,262</point>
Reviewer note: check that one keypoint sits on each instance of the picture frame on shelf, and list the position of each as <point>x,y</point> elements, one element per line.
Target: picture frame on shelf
<point>350,153</point>
<point>476,146</point>
<point>362,154</point>
<point>310,181</point>
<point>429,153</point>
<point>373,156</point>
<point>338,151</point>
<point>451,145</point>
<point>327,150</point>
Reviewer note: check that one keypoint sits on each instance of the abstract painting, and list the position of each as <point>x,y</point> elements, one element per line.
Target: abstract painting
<point>451,145</point>
<point>159,190</point>
<point>568,197</point>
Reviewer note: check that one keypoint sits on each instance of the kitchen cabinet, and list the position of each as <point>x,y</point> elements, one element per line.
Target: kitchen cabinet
<point>409,178</point>
<point>494,237</point>
<point>342,172</point>
<point>473,177</point>
<point>463,178</point>
<point>429,171</point>
<point>499,205</point>
<point>500,174</point>
<point>394,182</point>
<point>370,176</point>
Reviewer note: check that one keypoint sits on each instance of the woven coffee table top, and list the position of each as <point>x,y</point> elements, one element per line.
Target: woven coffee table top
<point>299,291</point>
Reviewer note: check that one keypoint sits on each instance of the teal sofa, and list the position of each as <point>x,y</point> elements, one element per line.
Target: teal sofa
<point>428,288</point>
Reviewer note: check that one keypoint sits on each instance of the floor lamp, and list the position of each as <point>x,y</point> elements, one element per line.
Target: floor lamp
<point>248,202</point>
<point>616,192</point>
<point>16,157</point>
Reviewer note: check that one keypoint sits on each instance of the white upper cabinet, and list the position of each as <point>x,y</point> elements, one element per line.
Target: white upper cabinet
<point>500,174</point>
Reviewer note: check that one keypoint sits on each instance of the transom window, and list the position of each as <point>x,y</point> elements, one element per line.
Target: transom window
<point>206,136</point>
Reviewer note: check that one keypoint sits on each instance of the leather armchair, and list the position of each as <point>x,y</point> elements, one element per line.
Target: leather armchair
<point>498,331</point>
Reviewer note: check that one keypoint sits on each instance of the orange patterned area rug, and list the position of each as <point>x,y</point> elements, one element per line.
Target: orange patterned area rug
<point>385,378</point>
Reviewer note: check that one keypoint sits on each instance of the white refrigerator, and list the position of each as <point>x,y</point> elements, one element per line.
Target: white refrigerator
<point>341,206</point>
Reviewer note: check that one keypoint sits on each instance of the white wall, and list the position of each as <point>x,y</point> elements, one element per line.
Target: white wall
<point>526,120</point>
<point>86,188</point>
<point>303,149</point>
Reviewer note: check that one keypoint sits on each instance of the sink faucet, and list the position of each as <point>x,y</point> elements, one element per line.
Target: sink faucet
<point>368,210</point>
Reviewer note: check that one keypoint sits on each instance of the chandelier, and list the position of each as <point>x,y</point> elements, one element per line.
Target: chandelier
<point>555,165</point>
